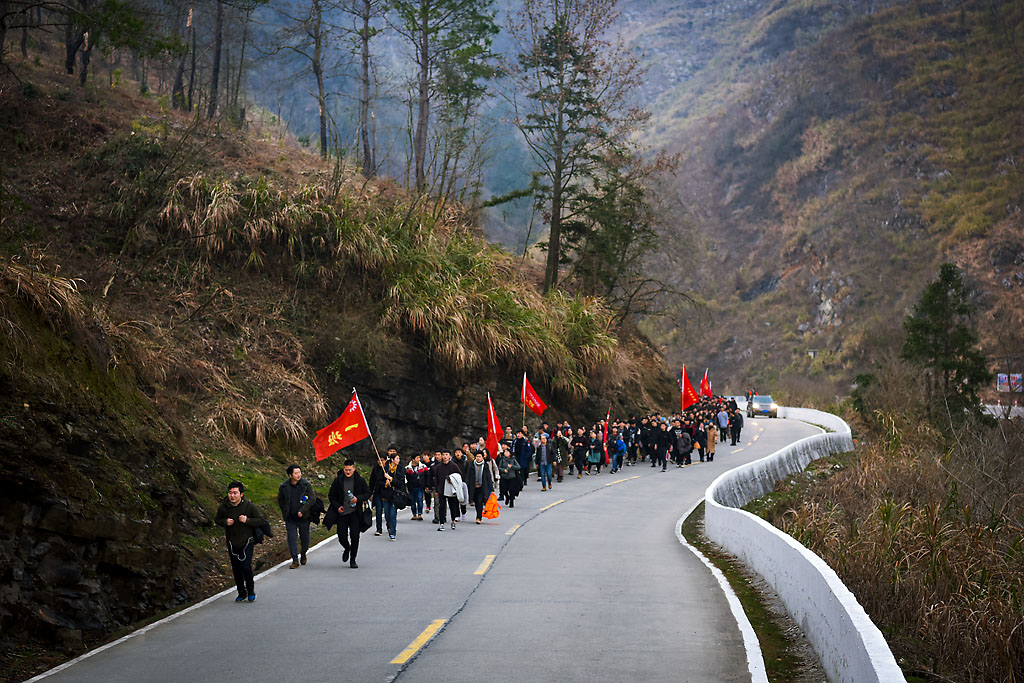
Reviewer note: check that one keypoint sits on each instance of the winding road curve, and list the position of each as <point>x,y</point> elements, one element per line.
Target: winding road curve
<point>586,582</point>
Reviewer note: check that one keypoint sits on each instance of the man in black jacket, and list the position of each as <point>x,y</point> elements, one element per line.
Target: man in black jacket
<point>386,481</point>
<point>349,493</point>
<point>663,445</point>
<point>378,483</point>
<point>735,426</point>
<point>295,497</point>
<point>522,449</point>
<point>239,517</point>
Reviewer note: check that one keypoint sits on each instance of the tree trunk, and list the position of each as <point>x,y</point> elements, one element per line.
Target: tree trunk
<point>3,28</point>
<point>555,234</point>
<point>241,69</point>
<point>218,41</point>
<point>178,89</point>
<point>86,56</point>
<point>321,97</point>
<point>192,70</point>
<point>29,21</point>
<point>72,41</point>
<point>364,98</point>
<point>318,72</point>
<point>423,108</point>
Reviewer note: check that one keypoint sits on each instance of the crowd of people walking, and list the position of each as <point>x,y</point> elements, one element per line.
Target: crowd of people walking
<point>444,484</point>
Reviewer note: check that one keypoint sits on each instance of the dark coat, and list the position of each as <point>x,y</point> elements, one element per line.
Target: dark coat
<point>508,467</point>
<point>378,483</point>
<point>283,495</point>
<point>487,482</point>
<point>414,476</point>
<point>684,443</point>
<point>360,490</point>
<point>561,446</point>
<point>664,440</point>
<point>522,449</point>
<point>442,472</point>
<point>239,533</point>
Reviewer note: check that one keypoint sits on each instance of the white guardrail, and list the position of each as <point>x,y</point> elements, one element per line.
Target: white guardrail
<point>849,645</point>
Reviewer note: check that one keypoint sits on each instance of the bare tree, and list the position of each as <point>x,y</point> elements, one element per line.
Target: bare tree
<point>436,30</point>
<point>364,12</point>
<point>218,43</point>
<point>306,34</point>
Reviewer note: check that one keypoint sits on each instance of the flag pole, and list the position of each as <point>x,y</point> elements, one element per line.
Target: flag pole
<point>379,461</point>
<point>522,398</point>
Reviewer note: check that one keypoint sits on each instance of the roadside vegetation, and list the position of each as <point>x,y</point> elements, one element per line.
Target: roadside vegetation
<point>924,521</point>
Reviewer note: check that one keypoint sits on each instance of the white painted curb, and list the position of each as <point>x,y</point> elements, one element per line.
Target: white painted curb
<point>755,658</point>
<point>849,645</point>
<point>171,617</point>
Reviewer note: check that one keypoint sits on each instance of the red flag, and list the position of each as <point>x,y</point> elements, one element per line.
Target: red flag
<point>705,385</point>
<point>687,396</point>
<point>494,432</point>
<point>531,399</point>
<point>349,428</point>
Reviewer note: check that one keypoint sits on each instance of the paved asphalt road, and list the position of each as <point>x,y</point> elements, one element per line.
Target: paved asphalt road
<point>593,588</point>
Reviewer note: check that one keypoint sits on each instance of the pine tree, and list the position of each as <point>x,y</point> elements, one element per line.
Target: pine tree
<point>940,339</point>
<point>573,92</point>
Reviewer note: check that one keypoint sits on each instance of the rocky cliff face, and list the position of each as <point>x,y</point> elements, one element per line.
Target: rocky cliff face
<point>96,493</point>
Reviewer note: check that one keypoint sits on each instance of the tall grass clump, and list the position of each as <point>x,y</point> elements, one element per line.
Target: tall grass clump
<point>926,526</point>
<point>462,300</point>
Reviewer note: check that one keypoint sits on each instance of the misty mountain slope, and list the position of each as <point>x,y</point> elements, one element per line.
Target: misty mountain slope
<point>831,162</point>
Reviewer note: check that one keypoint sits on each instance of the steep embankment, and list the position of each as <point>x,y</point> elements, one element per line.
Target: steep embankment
<point>181,305</point>
<point>833,157</point>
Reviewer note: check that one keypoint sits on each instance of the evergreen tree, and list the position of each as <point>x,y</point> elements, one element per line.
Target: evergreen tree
<point>573,92</point>
<point>940,339</point>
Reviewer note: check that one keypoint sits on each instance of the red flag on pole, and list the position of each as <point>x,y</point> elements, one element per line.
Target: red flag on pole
<point>687,396</point>
<point>349,428</point>
<point>494,432</point>
<point>705,385</point>
<point>531,399</point>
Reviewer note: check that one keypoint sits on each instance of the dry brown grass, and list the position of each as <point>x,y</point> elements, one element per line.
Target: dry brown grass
<point>926,527</point>
<point>466,301</point>
<point>54,297</point>
<point>245,374</point>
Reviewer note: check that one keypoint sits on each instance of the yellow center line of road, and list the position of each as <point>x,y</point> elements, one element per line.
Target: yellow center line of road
<point>738,450</point>
<point>755,437</point>
<point>635,477</point>
<point>548,507</point>
<point>485,565</point>
<point>420,641</point>
<point>612,483</point>
<point>513,530</point>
